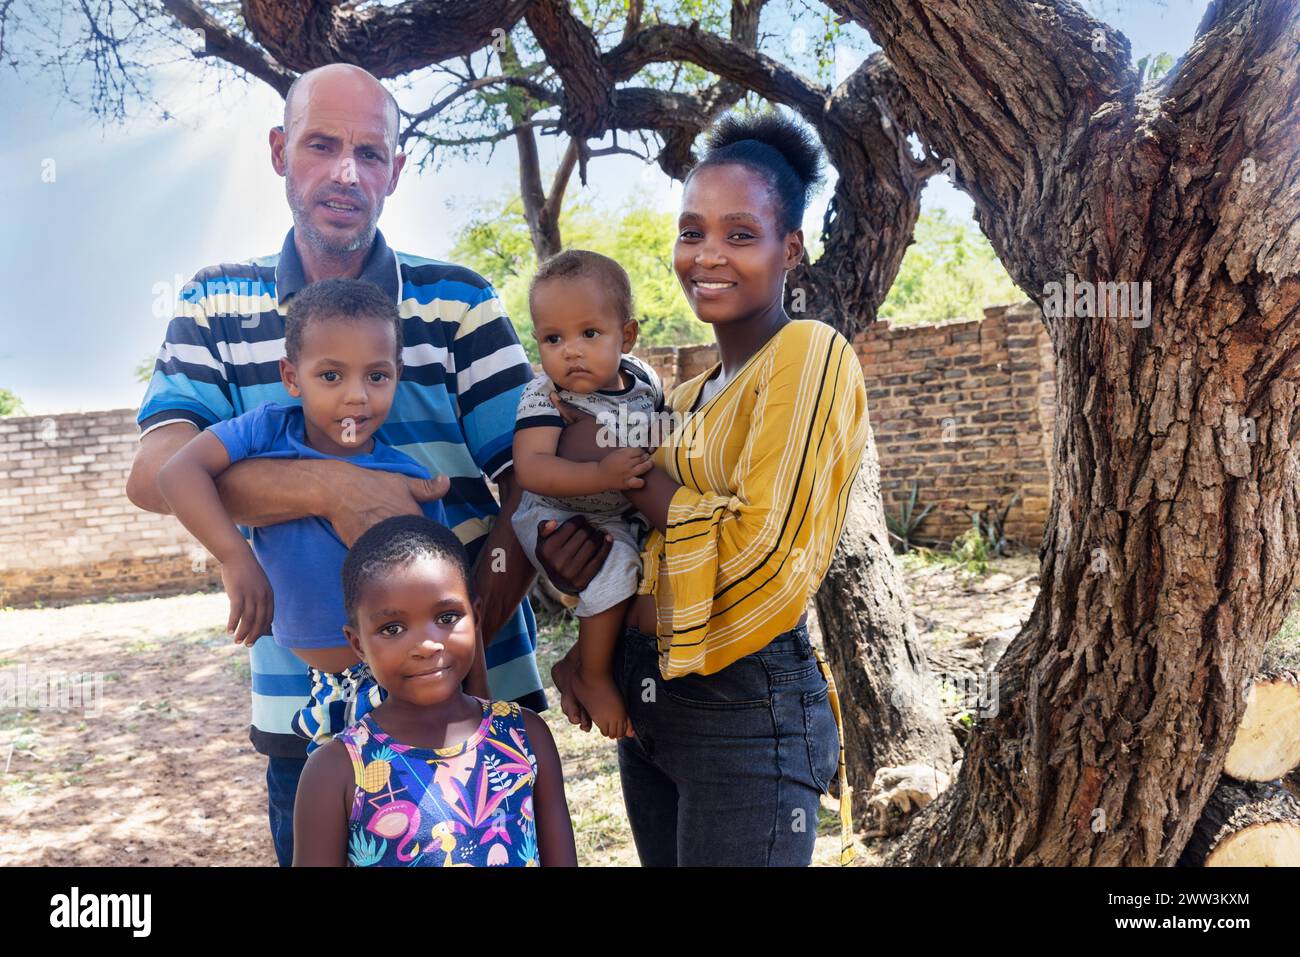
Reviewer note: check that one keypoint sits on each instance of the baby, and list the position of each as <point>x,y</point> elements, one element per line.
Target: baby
<point>581,306</point>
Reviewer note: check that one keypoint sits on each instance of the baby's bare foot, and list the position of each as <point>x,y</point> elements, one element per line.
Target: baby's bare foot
<point>600,697</point>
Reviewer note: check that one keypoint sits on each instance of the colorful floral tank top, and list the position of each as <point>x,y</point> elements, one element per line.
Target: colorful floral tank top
<point>465,806</point>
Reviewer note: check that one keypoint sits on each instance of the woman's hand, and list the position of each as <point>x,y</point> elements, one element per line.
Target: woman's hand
<point>562,674</point>
<point>580,437</point>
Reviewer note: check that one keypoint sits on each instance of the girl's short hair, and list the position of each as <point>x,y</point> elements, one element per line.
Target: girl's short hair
<point>776,147</point>
<point>346,299</point>
<point>394,543</point>
<point>585,264</point>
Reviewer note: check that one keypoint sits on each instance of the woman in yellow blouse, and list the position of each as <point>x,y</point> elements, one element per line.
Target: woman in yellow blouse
<point>735,737</point>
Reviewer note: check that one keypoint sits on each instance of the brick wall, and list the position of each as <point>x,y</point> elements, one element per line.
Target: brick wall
<point>67,529</point>
<point>965,409</point>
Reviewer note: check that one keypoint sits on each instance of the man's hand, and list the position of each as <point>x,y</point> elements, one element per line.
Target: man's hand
<point>360,498</point>
<point>572,552</point>
<point>252,603</point>
<point>622,468</point>
<point>503,574</point>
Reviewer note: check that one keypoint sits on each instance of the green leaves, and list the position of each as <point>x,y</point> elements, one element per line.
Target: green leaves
<point>949,273</point>
<point>1152,68</point>
<point>10,404</point>
<point>496,243</point>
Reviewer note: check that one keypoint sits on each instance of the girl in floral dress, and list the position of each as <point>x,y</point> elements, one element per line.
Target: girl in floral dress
<point>433,777</point>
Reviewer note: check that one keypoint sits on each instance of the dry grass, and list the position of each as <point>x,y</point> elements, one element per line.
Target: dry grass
<point>102,788</point>
<point>77,788</point>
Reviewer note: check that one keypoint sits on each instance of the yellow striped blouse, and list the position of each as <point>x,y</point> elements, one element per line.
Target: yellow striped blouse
<point>765,466</point>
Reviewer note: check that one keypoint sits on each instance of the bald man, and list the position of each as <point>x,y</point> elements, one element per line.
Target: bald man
<point>453,410</point>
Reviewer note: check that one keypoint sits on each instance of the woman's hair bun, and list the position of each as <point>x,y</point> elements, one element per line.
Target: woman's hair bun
<point>792,140</point>
<point>779,147</point>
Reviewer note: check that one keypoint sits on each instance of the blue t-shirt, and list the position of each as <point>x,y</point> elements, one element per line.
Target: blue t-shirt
<point>303,559</point>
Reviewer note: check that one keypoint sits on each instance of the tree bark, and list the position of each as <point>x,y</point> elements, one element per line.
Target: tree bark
<point>387,40</point>
<point>1168,558</point>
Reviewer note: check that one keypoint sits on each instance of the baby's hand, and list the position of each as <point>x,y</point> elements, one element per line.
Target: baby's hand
<point>252,604</point>
<point>623,468</point>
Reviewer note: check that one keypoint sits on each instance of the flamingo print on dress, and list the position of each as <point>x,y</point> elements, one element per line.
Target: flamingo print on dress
<point>468,805</point>
<point>397,819</point>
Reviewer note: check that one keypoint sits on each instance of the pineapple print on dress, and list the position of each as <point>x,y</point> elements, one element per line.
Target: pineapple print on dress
<point>470,805</point>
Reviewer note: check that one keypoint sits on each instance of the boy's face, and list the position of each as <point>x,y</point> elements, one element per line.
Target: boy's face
<point>579,334</point>
<point>416,628</point>
<point>346,374</point>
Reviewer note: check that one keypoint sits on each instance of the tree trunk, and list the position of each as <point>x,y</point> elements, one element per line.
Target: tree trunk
<point>1168,559</point>
<point>540,213</point>
<point>892,715</point>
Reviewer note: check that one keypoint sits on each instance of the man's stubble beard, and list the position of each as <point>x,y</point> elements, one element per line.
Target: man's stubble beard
<point>305,228</point>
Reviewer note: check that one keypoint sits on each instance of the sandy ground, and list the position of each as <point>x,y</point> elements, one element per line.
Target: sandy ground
<point>156,768</point>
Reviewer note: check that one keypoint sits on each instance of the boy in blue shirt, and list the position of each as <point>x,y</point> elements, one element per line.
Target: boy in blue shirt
<point>343,345</point>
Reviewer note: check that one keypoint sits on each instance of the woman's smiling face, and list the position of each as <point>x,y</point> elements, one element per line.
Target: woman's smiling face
<point>731,254</point>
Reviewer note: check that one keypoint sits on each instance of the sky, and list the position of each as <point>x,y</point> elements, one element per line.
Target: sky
<point>102,224</point>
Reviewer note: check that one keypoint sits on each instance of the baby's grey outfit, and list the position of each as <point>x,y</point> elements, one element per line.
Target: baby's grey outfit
<point>610,512</point>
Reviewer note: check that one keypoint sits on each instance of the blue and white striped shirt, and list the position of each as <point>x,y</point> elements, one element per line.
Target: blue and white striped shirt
<point>454,412</point>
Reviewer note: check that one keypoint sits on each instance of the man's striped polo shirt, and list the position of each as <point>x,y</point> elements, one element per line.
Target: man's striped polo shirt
<point>454,411</point>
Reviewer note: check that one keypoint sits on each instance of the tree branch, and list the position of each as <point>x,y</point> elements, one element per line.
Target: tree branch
<point>726,58</point>
<point>572,51</point>
<point>220,42</point>
<point>1003,81</point>
<point>633,23</point>
<point>494,137</point>
<point>560,182</point>
<point>386,40</point>
<point>534,88</point>
<point>1238,88</point>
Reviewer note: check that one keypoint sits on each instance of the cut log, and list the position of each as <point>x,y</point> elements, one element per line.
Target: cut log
<point>898,792</point>
<point>1246,825</point>
<point>1267,745</point>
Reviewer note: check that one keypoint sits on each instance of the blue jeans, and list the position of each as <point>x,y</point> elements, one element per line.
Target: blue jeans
<point>726,769</point>
<point>282,776</point>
